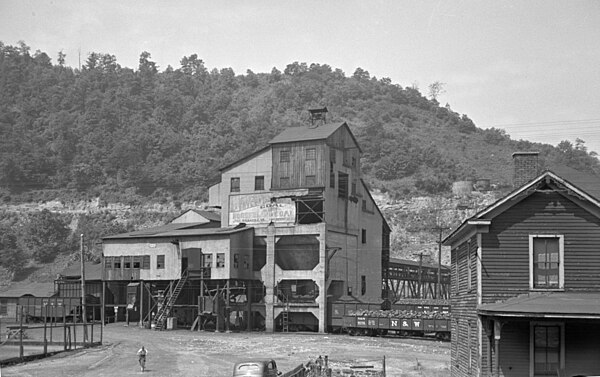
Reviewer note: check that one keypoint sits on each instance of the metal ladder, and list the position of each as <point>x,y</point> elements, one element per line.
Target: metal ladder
<point>165,310</point>
<point>285,314</point>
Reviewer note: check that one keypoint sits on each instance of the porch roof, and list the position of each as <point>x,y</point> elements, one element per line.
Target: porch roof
<point>580,305</point>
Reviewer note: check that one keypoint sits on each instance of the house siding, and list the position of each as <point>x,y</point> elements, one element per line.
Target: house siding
<point>505,259</point>
<point>465,355</point>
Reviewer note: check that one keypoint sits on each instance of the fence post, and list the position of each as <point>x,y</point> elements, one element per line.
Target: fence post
<point>383,365</point>
<point>45,329</point>
<point>75,334</point>
<point>21,336</point>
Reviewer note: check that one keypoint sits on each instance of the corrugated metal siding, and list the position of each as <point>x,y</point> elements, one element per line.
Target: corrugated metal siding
<point>506,247</point>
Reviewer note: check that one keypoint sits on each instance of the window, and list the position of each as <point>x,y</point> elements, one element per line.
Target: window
<point>546,269</point>
<point>207,260</point>
<point>220,260</point>
<point>546,343</point>
<point>146,262</point>
<point>137,262</point>
<point>364,236</point>
<point>246,264</point>
<point>236,259</point>
<point>284,156</point>
<point>259,183</point>
<point>108,263</point>
<point>469,286</point>
<point>353,161</point>
<point>331,176</point>
<point>311,154</point>
<point>160,261</point>
<point>235,184</point>
<point>3,307</point>
<point>456,261</point>
<point>364,205</point>
<point>342,185</point>
<point>117,262</point>
<point>363,285</point>
<point>127,262</point>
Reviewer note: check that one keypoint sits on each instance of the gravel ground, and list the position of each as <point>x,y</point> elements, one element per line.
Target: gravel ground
<point>209,354</point>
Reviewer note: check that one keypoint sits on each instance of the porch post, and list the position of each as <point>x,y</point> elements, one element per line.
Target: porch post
<point>497,336</point>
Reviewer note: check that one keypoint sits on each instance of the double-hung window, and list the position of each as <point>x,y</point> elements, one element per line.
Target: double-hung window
<point>546,266</point>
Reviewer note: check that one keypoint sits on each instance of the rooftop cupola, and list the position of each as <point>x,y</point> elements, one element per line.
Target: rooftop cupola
<point>318,116</point>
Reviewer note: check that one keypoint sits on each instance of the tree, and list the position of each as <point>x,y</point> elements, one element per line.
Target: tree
<point>436,89</point>
<point>45,235</point>
<point>11,257</point>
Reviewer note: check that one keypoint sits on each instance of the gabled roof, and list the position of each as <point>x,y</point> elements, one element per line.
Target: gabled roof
<point>165,231</point>
<point>248,157</point>
<point>309,133</point>
<point>208,215</point>
<point>589,183</point>
<point>485,216</point>
<point>159,229</point>
<point>546,305</point>
<point>366,189</point>
<point>35,289</point>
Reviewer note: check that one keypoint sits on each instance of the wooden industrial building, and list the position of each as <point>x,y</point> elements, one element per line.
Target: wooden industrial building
<point>298,229</point>
<point>525,278</point>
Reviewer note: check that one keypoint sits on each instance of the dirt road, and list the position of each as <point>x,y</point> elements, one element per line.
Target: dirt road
<point>209,354</point>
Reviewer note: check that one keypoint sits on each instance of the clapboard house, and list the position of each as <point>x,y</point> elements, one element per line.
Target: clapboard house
<point>525,272</point>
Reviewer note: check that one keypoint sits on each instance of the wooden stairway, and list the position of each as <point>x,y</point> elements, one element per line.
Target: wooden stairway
<point>165,309</point>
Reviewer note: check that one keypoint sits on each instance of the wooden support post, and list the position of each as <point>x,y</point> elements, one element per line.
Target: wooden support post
<point>497,337</point>
<point>227,307</point>
<point>141,303</point>
<point>249,304</point>
<point>217,310</point>
<point>65,329</point>
<point>102,311</point>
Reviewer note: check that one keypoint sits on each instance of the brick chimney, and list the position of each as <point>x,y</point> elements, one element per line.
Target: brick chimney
<point>526,167</point>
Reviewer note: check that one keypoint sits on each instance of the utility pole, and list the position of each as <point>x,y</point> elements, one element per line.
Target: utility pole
<point>420,269</point>
<point>438,287</point>
<point>83,311</point>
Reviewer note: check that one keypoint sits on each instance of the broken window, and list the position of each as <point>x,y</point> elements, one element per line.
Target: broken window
<point>220,260</point>
<point>160,261</point>
<point>342,185</point>
<point>235,184</point>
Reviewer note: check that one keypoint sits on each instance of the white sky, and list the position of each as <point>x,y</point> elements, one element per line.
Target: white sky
<point>529,67</point>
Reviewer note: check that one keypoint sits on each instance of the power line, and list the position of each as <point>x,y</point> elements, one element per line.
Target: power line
<point>555,122</point>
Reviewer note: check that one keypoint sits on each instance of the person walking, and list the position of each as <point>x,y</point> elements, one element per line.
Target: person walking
<point>142,352</point>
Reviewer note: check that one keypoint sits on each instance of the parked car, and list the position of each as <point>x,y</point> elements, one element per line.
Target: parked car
<point>256,368</point>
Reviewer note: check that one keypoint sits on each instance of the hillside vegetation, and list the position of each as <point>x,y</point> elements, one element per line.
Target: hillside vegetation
<point>159,134</point>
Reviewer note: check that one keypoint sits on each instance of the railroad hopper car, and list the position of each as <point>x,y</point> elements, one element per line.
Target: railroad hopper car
<point>403,319</point>
<point>35,309</point>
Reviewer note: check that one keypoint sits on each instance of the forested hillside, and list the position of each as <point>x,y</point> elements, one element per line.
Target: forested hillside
<point>115,131</point>
<point>159,134</point>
